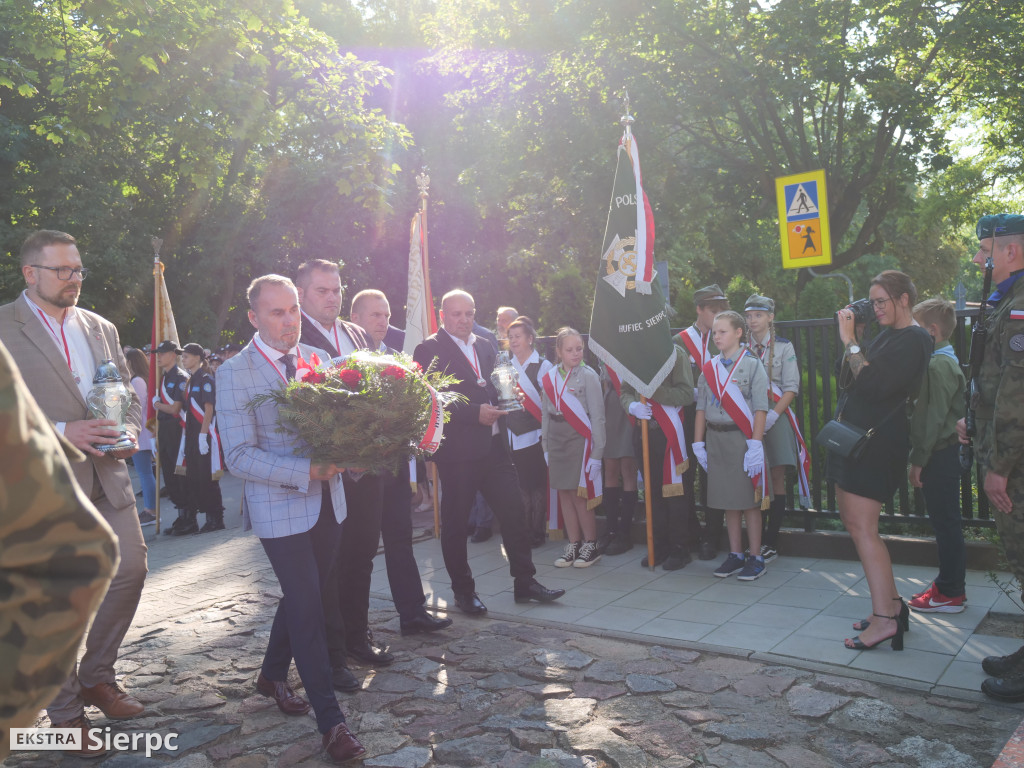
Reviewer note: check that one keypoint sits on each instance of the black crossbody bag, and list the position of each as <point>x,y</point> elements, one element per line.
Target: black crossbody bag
<point>847,440</point>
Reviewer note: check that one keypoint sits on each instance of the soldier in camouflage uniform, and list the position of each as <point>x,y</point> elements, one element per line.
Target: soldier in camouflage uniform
<point>1000,418</point>
<point>56,559</point>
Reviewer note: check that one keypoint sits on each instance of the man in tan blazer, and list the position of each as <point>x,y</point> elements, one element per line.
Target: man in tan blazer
<point>58,346</point>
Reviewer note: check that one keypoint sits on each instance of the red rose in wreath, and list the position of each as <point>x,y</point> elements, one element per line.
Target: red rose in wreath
<point>350,378</point>
<point>394,372</point>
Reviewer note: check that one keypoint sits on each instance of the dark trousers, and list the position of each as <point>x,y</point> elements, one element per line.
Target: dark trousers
<point>396,532</point>
<point>493,475</point>
<point>168,441</point>
<point>941,488</point>
<point>302,563</point>
<point>533,485</point>
<point>347,597</point>
<point>668,515</point>
<point>202,492</point>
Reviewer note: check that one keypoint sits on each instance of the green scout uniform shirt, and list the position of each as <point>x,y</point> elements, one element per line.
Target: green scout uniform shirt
<point>675,391</point>
<point>1000,412</point>
<point>940,404</point>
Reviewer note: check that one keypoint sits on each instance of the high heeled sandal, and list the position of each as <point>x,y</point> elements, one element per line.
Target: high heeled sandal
<point>904,619</point>
<point>856,644</point>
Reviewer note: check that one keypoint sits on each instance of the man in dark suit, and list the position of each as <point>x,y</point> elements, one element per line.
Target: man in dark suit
<point>347,597</point>
<point>371,311</point>
<point>57,346</point>
<point>295,506</point>
<point>475,457</point>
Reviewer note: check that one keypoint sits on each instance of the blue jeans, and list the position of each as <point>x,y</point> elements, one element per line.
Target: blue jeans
<point>143,461</point>
<point>941,488</point>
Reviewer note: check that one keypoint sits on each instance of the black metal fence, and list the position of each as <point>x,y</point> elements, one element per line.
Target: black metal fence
<point>818,348</point>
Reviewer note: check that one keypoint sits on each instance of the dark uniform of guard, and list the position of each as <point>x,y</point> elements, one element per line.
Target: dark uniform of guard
<point>168,435</point>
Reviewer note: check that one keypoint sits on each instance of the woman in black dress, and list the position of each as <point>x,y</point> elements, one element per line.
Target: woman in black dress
<point>878,380</point>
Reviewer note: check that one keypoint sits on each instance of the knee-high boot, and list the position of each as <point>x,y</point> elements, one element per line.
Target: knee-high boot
<point>611,505</point>
<point>623,539</point>
<point>773,521</point>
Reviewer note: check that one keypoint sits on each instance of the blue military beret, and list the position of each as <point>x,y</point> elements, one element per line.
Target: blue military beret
<point>1000,224</point>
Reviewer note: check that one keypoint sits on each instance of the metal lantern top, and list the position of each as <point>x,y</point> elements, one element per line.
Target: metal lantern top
<point>107,373</point>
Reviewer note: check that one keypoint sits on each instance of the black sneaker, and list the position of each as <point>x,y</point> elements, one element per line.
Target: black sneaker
<point>568,557</point>
<point>768,553</point>
<point>588,555</point>
<point>753,569</point>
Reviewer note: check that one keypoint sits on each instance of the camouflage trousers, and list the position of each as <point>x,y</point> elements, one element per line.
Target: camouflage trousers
<point>1011,527</point>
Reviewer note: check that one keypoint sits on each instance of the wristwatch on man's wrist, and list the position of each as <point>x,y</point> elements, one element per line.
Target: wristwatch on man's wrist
<point>852,349</point>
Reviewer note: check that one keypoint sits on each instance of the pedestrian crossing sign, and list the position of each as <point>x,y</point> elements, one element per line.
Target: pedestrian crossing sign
<point>803,220</point>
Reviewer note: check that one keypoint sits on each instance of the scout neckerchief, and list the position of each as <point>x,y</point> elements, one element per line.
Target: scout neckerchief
<point>803,468</point>
<point>199,414</point>
<point>725,391</point>
<point>696,344</point>
<point>571,408</point>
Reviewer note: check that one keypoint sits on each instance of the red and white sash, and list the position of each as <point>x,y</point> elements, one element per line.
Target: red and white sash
<point>803,469</point>
<point>216,459</point>
<point>696,344</point>
<point>572,409</point>
<point>167,400</point>
<point>676,460</point>
<point>733,403</point>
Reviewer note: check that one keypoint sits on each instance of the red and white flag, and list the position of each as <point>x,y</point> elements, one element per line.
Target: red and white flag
<point>420,319</point>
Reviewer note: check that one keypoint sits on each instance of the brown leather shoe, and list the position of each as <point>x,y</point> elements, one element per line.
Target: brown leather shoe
<point>112,699</point>
<point>341,745</point>
<point>288,701</point>
<point>86,751</point>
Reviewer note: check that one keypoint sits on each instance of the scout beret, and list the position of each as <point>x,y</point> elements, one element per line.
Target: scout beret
<point>1000,224</point>
<point>168,346</point>
<point>195,349</point>
<point>758,302</point>
<point>709,293</point>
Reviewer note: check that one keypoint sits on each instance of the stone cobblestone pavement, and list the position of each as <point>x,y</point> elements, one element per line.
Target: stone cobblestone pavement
<point>505,692</point>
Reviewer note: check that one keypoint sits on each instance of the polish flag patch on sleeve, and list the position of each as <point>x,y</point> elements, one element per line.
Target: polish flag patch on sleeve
<point>1017,314</point>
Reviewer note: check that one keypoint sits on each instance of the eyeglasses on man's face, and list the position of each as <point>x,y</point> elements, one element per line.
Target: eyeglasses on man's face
<point>65,273</point>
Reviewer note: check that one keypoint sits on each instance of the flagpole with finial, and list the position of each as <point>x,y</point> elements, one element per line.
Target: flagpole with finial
<point>627,123</point>
<point>154,382</point>
<point>423,184</point>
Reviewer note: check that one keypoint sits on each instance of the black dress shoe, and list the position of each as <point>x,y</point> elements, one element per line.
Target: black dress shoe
<point>369,654</point>
<point>706,551</point>
<point>341,746</point>
<point>678,559</point>
<point>534,591</point>
<point>469,603</point>
<point>1004,666</point>
<point>481,535</point>
<point>343,679</point>
<point>424,622</point>
<point>659,558</point>
<point>1004,688</point>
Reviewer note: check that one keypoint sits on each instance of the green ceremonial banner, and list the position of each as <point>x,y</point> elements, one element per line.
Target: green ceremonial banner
<point>629,327</point>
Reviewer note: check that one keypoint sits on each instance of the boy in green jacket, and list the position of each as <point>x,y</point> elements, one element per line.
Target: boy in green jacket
<point>934,458</point>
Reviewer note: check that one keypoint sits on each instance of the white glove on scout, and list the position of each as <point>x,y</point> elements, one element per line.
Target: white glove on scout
<point>753,459</point>
<point>770,421</point>
<point>204,444</point>
<point>701,454</point>
<point>594,471</point>
<point>640,410</point>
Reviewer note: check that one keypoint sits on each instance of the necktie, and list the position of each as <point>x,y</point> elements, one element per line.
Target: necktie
<point>289,366</point>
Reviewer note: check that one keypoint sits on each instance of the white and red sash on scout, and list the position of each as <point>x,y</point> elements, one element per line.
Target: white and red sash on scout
<point>676,460</point>
<point>166,400</point>
<point>696,344</point>
<point>733,403</point>
<point>572,409</point>
<point>803,469</point>
<point>532,404</point>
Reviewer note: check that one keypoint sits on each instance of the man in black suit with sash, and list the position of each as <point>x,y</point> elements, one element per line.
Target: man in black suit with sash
<point>347,596</point>
<point>475,457</point>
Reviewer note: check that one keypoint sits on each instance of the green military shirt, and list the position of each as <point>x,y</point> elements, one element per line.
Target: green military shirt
<point>1000,411</point>
<point>675,391</point>
<point>940,404</point>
